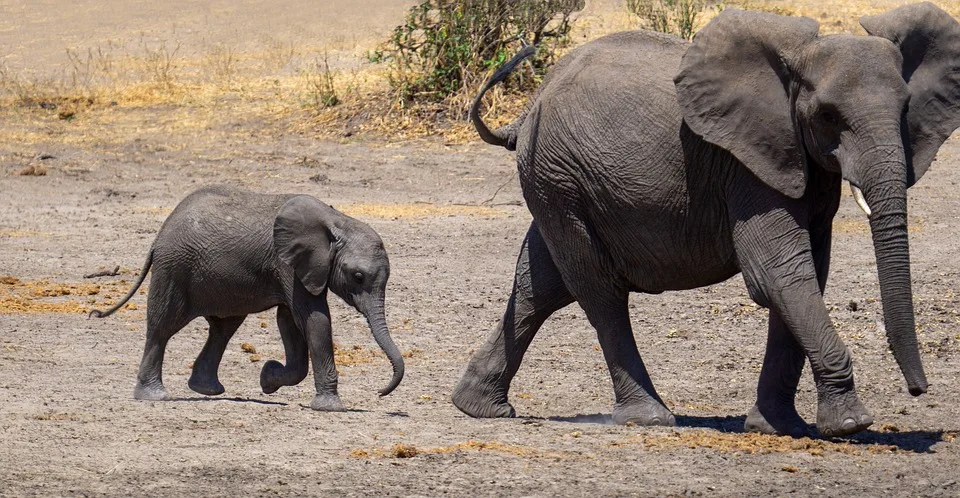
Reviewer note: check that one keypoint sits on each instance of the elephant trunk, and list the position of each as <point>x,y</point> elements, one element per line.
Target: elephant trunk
<point>377,321</point>
<point>885,196</point>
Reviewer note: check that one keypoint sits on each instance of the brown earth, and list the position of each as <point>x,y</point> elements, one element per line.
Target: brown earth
<point>452,217</point>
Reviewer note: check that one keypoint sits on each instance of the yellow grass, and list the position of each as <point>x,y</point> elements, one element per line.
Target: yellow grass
<point>751,443</point>
<point>192,92</point>
<point>398,211</point>
<point>409,450</point>
<point>43,296</point>
<point>355,355</point>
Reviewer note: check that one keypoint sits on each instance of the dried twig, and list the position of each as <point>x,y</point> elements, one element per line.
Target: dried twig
<point>104,273</point>
<point>501,187</point>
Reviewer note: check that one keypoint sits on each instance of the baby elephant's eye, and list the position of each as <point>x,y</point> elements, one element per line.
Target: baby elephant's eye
<point>358,276</point>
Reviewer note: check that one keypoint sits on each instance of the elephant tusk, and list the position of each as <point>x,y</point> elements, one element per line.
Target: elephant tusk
<point>861,201</point>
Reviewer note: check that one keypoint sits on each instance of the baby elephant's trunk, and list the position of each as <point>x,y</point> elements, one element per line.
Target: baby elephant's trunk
<point>378,326</point>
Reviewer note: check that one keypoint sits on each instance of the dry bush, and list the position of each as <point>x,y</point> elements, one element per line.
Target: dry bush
<point>320,90</point>
<point>431,68</point>
<point>445,48</point>
<point>160,63</point>
<point>220,65</point>
<point>679,17</point>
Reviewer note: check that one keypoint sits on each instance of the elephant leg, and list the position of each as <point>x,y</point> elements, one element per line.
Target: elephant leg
<point>775,411</point>
<point>637,400</point>
<point>275,374</point>
<point>781,274</point>
<point>163,321</point>
<point>204,378</point>
<point>312,316</point>
<point>590,275</point>
<point>538,291</point>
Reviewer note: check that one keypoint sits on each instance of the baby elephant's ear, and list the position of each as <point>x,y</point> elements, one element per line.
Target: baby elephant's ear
<point>302,239</point>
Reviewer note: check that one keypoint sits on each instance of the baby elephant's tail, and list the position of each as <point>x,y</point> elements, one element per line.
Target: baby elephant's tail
<point>136,285</point>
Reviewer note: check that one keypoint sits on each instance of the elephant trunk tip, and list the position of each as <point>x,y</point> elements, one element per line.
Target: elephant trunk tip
<point>395,381</point>
<point>917,390</point>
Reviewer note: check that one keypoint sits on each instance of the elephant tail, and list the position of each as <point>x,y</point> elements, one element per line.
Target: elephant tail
<point>507,136</point>
<point>136,285</point>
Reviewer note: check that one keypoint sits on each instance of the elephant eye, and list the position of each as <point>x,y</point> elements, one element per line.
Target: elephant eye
<point>829,116</point>
<point>359,277</point>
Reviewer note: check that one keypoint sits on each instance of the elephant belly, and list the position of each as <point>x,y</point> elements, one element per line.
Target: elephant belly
<point>654,266</point>
<point>213,282</point>
<point>653,276</point>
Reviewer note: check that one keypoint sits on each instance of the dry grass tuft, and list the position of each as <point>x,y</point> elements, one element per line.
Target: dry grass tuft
<point>360,453</point>
<point>356,355</point>
<point>751,443</point>
<point>835,16</point>
<point>862,225</point>
<point>33,170</point>
<point>406,211</point>
<point>24,233</point>
<point>59,417</point>
<point>407,451</point>
<point>850,225</point>
<point>404,451</point>
<point>42,296</point>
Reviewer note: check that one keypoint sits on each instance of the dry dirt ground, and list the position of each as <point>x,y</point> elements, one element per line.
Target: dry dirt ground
<point>452,218</point>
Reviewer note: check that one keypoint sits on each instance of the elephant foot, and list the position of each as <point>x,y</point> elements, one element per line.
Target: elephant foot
<point>481,400</point>
<point>271,376</point>
<point>275,375</point>
<point>646,412</point>
<point>327,403</point>
<point>150,392</point>
<point>777,421</point>
<point>840,415</point>
<point>205,384</point>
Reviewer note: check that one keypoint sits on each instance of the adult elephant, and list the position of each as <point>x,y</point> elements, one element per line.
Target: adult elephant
<point>652,164</point>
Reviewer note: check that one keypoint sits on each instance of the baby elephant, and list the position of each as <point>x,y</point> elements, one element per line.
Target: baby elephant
<point>225,253</point>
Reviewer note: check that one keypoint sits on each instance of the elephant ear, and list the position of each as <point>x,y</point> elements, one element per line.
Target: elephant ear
<point>929,40</point>
<point>734,88</point>
<point>302,239</point>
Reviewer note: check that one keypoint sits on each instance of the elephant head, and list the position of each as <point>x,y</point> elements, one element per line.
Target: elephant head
<point>327,249</point>
<point>874,109</point>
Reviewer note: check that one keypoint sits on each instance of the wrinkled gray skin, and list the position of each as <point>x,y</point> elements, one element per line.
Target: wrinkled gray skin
<point>225,253</point>
<point>652,164</point>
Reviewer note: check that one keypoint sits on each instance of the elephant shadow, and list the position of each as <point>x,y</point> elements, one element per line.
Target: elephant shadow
<point>908,441</point>
<point>234,399</point>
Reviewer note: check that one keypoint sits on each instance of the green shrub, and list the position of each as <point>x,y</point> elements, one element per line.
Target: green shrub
<point>446,48</point>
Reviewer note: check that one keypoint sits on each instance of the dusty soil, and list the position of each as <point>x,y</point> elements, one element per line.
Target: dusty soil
<point>452,218</point>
